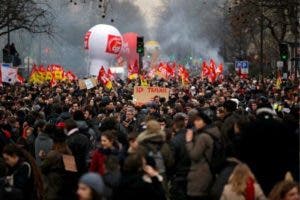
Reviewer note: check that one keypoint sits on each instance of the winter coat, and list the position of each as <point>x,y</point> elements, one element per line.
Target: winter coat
<point>182,161</point>
<point>99,158</point>
<point>200,152</point>
<point>79,145</point>
<point>131,126</point>
<point>94,125</point>
<point>83,125</point>
<point>59,184</point>
<point>134,187</point>
<point>23,179</point>
<point>155,142</point>
<point>228,194</point>
<point>4,139</point>
<point>111,181</point>
<point>42,143</point>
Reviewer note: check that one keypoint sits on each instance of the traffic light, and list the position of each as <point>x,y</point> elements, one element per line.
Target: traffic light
<point>284,51</point>
<point>140,45</point>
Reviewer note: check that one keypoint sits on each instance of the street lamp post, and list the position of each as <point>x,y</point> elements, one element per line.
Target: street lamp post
<point>8,30</point>
<point>261,40</point>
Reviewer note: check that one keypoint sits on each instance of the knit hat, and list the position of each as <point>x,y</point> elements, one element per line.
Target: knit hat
<point>94,181</point>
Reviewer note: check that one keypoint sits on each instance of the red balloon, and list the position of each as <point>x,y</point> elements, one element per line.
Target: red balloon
<point>129,48</point>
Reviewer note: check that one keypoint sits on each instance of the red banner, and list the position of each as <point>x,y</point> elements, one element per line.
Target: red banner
<point>86,39</point>
<point>114,44</point>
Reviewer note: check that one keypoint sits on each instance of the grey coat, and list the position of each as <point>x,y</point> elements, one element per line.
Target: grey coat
<point>43,142</point>
<point>200,149</point>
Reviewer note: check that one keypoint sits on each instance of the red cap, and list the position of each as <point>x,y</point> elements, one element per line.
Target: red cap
<point>60,125</point>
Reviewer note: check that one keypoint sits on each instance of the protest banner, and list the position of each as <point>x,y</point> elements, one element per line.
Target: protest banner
<point>87,83</point>
<point>143,94</point>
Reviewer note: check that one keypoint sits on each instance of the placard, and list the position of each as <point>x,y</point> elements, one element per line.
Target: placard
<point>69,163</point>
<point>143,94</point>
<point>87,83</point>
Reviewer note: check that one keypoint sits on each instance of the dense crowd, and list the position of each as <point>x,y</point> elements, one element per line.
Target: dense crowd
<point>234,140</point>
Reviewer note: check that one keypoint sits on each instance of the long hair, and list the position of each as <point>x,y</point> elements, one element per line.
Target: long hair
<point>12,149</point>
<point>239,177</point>
<point>281,189</point>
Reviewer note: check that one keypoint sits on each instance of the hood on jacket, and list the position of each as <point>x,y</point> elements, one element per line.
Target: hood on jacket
<point>152,132</point>
<point>43,136</point>
<point>82,124</point>
<point>214,130</point>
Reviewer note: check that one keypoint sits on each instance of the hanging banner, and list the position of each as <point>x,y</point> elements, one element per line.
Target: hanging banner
<point>143,95</point>
<point>8,73</point>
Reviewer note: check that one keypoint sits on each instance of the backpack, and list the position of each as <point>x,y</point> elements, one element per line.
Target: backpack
<point>86,132</point>
<point>159,161</point>
<point>156,158</point>
<point>218,157</point>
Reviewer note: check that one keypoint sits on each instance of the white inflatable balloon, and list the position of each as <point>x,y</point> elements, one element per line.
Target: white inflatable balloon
<point>103,43</point>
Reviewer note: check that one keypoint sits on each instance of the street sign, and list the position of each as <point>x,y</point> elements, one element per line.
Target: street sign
<point>279,64</point>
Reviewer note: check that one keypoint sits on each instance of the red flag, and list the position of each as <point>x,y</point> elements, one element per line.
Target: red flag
<point>110,75</point>
<point>56,67</point>
<point>20,79</point>
<point>219,69</point>
<point>34,69</point>
<point>162,71</point>
<point>102,77</point>
<point>133,70</point>
<point>212,71</point>
<point>70,76</point>
<point>41,68</point>
<point>53,82</point>
<point>171,69</point>
<point>184,74</point>
<point>205,69</point>
<point>49,68</point>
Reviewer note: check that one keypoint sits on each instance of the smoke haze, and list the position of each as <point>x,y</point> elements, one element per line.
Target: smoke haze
<point>183,28</point>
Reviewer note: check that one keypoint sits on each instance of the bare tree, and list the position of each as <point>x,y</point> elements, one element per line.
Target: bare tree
<point>279,18</point>
<point>31,15</point>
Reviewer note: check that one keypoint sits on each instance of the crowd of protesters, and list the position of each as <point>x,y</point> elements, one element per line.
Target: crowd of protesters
<point>235,140</point>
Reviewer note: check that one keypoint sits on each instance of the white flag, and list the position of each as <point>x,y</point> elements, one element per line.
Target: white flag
<point>8,73</point>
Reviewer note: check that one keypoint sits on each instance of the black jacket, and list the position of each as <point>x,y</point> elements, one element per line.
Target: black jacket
<point>133,187</point>
<point>79,145</point>
<point>182,162</point>
<point>4,140</point>
<point>59,183</point>
<point>23,180</point>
